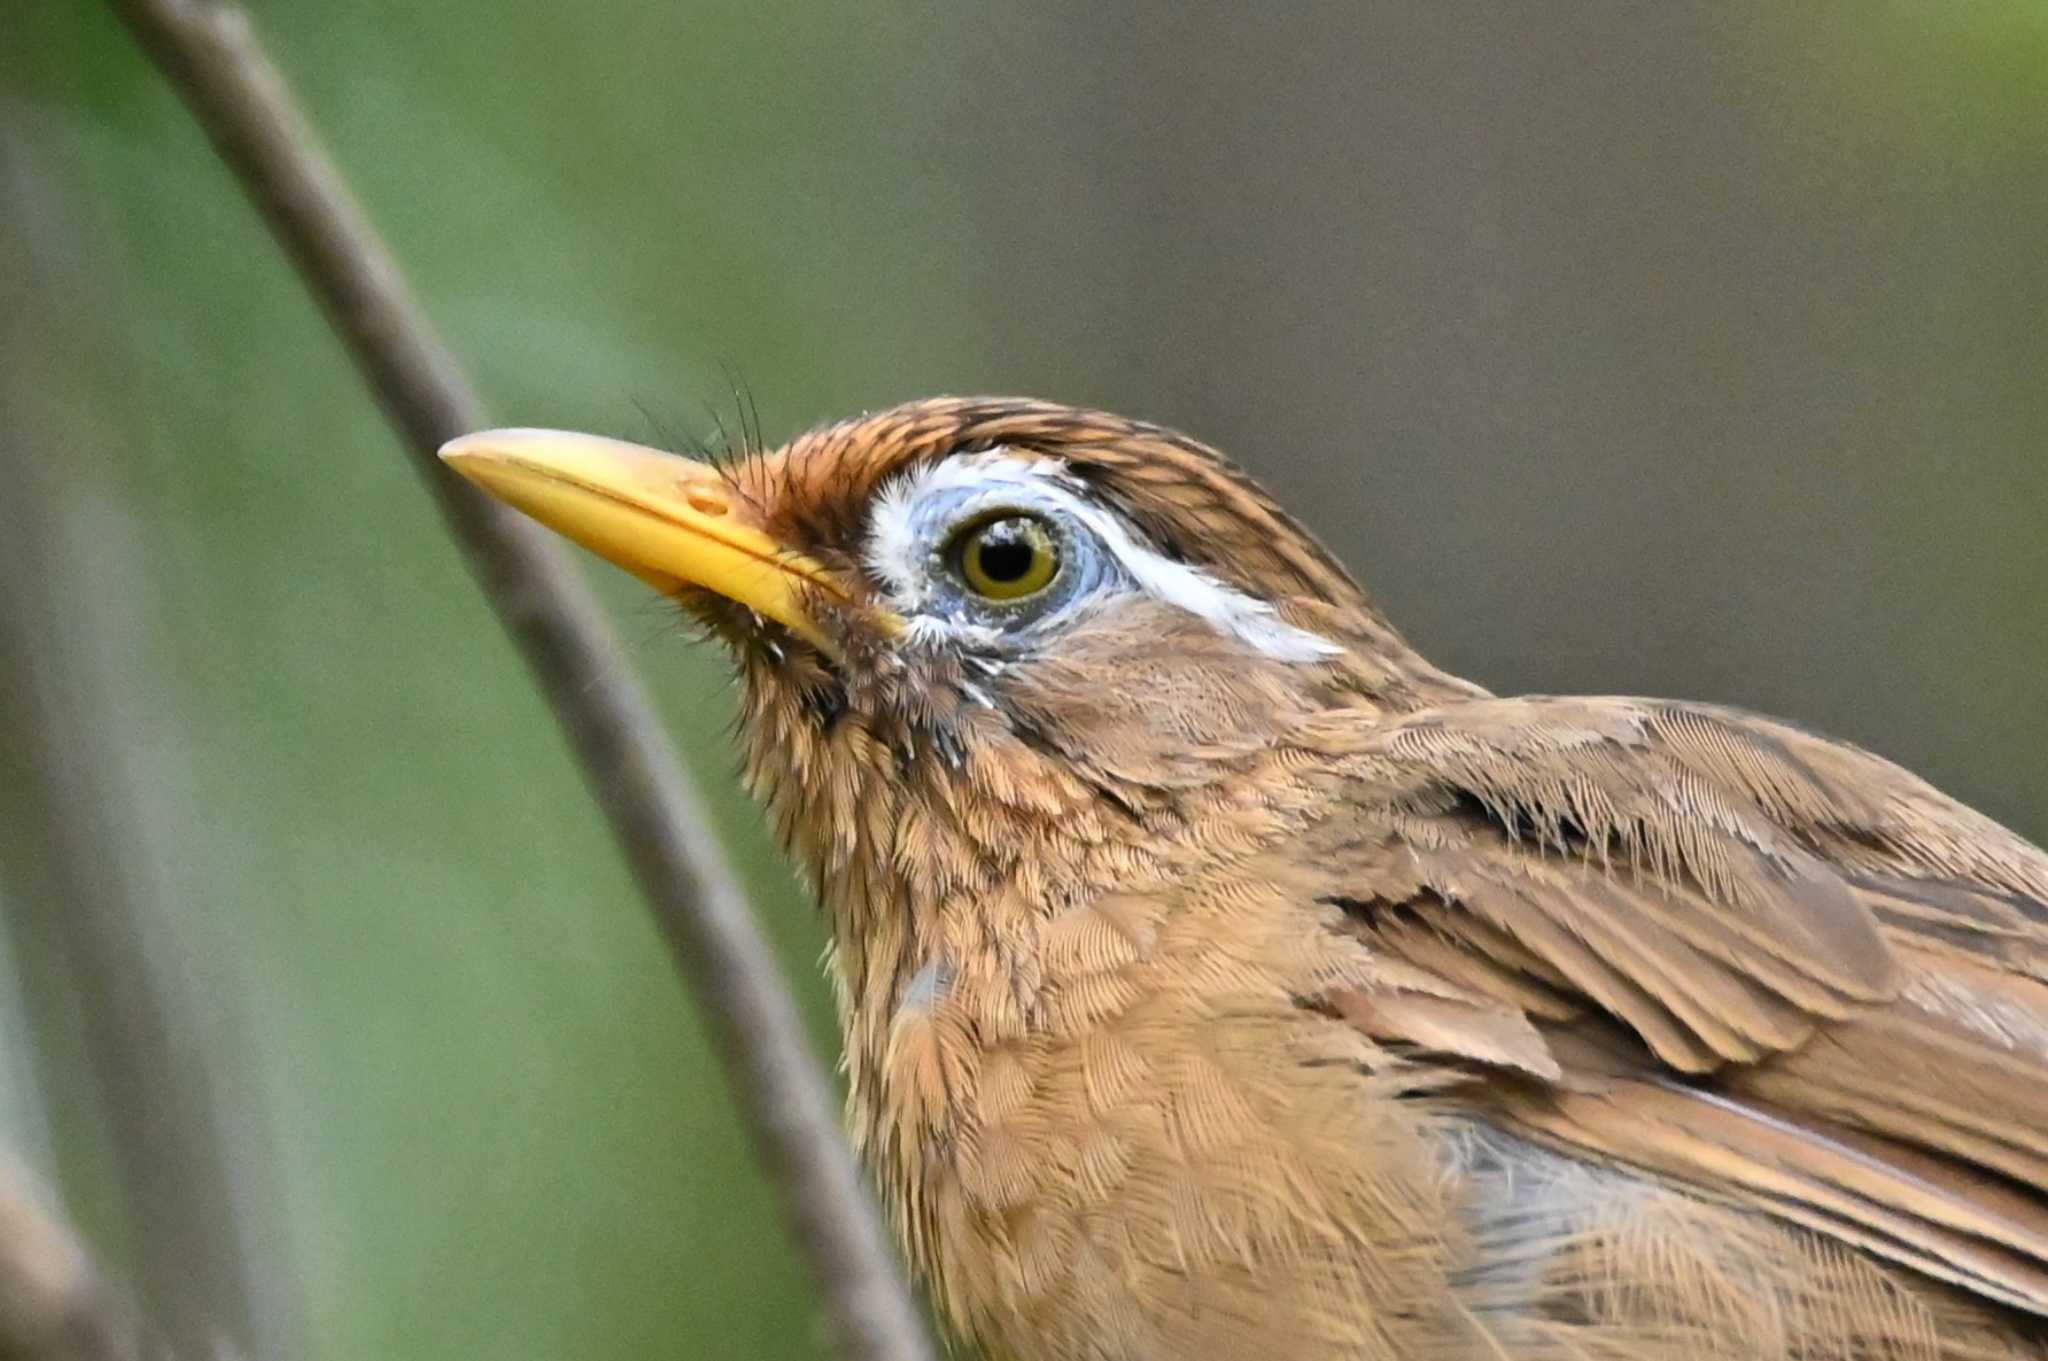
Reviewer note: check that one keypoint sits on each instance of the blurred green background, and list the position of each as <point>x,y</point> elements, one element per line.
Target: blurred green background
<point>1690,349</point>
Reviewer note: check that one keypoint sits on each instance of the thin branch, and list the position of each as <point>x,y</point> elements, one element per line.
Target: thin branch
<point>100,948</point>
<point>54,1306</point>
<point>96,914</point>
<point>210,53</point>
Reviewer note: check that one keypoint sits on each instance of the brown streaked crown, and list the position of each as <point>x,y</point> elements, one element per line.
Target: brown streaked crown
<point>1191,501</point>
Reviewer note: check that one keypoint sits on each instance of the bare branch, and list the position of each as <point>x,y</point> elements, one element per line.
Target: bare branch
<point>97,914</point>
<point>53,1304</point>
<point>211,54</point>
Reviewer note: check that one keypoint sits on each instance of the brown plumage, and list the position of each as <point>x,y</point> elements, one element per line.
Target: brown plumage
<point>1220,979</point>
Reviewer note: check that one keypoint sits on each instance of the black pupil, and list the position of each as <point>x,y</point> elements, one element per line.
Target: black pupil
<point>1005,553</point>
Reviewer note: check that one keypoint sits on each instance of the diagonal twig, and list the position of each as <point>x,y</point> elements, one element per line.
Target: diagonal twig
<point>53,1304</point>
<point>210,53</point>
<point>93,912</point>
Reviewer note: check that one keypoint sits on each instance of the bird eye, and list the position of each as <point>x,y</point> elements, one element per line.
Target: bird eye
<point>1007,557</point>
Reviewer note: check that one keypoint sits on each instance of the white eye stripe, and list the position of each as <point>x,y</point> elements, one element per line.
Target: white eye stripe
<point>900,553</point>
<point>1225,608</point>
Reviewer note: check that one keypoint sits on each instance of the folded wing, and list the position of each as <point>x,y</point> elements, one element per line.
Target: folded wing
<point>1723,949</point>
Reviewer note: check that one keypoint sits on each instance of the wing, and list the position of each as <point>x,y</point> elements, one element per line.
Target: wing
<point>1721,948</point>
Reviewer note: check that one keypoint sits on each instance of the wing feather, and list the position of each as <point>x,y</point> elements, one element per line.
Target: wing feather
<point>1775,966</point>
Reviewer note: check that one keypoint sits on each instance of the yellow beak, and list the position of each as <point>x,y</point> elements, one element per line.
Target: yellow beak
<point>667,520</point>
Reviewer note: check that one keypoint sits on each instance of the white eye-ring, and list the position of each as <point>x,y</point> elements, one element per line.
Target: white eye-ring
<point>1057,548</point>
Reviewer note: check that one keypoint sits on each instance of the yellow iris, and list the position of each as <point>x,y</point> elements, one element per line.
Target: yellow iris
<point>1006,557</point>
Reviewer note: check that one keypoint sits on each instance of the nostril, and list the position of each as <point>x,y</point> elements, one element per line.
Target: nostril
<point>704,500</point>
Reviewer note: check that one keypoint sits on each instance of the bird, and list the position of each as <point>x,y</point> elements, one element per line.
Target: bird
<point>1219,978</point>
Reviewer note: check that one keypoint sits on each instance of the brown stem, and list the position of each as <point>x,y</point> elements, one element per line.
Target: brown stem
<point>53,1305</point>
<point>94,913</point>
<point>210,53</point>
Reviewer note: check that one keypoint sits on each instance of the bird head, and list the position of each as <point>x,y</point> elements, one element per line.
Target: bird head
<point>988,646</point>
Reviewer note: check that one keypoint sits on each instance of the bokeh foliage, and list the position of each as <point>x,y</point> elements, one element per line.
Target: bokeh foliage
<point>1680,349</point>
